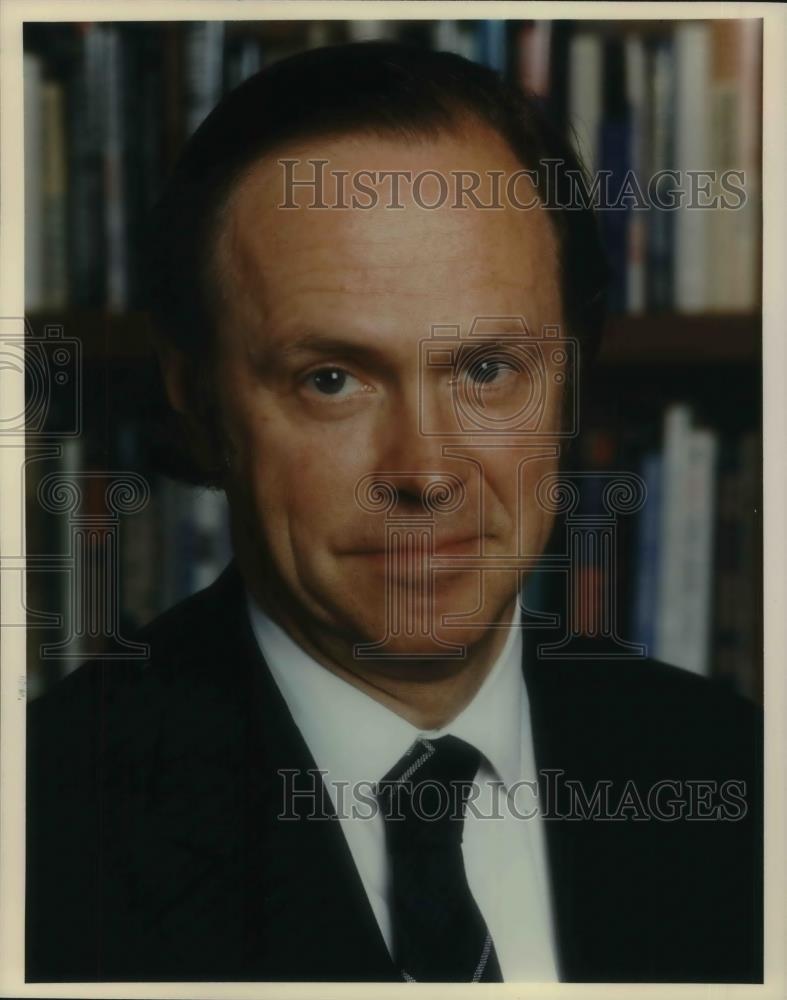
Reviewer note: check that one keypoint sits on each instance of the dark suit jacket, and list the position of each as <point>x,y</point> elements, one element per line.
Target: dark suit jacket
<point>155,852</point>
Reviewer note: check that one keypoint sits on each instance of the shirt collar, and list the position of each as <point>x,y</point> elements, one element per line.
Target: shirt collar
<point>356,739</point>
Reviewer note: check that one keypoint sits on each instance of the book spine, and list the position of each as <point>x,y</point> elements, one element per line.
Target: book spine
<point>745,291</point>
<point>697,552</point>
<point>243,58</point>
<point>114,141</point>
<point>659,139</point>
<point>637,221</point>
<point>692,249</point>
<point>676,435</point>
<point>86,198</point>
<point>55,261</point>
<point>491,42</point>
<point>646,561</point>
<point>533,45</point>
<point>371,30</point>
<point>615,139</point>
<point>203,78</point>
<point>585,95</point>
<point>33,184</point>
<point>178,540</point>
<point>211,536</point>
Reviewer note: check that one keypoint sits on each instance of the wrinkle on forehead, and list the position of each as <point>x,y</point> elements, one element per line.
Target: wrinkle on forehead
<point>381,252</point>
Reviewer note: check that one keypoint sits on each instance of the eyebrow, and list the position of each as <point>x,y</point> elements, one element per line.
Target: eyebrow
<point>320,344</point>
<point>324,344</point>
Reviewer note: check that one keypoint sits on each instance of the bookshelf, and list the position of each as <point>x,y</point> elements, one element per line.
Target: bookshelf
<point>671,338</point>
<point>108,107</point>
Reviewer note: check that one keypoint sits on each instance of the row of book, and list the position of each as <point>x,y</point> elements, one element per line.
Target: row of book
<point>672,124</point>
<point>108,105</point>
<point>688,573</point>
<point>107,108</point>
<point>131,546</point>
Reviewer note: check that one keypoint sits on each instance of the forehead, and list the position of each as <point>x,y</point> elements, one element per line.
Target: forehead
<point>396,259</point>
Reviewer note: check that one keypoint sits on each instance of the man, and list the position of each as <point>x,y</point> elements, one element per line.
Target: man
<point>262,798</point>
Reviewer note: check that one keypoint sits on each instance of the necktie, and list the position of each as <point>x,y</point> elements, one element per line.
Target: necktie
<point>439,934</point>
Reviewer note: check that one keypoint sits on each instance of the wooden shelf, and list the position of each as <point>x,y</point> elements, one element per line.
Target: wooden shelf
<point>668,339</point>
<point>681,339</point>
<point>105,337</point>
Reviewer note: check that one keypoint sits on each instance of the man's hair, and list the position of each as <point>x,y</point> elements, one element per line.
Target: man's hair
<point>370,88</point>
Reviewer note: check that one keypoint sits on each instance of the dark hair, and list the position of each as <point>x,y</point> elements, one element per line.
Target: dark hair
<point>377,88</point>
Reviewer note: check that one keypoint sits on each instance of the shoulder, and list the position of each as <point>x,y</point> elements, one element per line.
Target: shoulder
<point>648,712</point>
<point>193,653</point>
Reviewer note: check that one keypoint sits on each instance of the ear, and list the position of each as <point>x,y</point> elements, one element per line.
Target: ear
<point>198,425</point>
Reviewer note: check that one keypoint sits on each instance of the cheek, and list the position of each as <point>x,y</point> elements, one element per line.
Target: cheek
<point>299,480</point>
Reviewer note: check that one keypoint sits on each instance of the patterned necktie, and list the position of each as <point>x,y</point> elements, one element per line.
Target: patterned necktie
<point>439,934</point>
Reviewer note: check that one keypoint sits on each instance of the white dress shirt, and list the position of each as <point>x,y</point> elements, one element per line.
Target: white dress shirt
<point>354,739</point>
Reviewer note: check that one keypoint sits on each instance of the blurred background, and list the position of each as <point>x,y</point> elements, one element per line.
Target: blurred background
<point>675,397</point>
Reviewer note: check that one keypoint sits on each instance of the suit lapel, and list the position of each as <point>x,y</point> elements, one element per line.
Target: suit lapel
<point>601,870</point>
<point>584,890</point>
<point>307,912</point>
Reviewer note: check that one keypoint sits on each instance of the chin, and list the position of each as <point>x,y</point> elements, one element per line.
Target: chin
<point>420,636</point>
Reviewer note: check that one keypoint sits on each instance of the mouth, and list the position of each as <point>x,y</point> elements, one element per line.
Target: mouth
<point>464,546</point>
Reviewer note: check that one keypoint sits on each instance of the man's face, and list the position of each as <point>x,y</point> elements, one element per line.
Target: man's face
<point>321,379</point>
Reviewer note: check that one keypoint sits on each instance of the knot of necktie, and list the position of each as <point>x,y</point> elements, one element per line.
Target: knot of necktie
<point>423,797</point>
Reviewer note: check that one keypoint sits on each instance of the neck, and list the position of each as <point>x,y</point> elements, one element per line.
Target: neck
<point>428,693</point>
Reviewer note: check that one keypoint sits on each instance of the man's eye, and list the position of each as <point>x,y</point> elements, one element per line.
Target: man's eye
<point>489,371</point>
<point>332,382</point>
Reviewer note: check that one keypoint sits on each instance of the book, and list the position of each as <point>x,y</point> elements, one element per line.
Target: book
<point>735,107</point>
<point>491,44</point>
<point>54,229</point>
<point>585,78</point>
<point>647,555</point>
<point>635,91</point>
<point>675,437</point>
<point>144,151</point>
<point>697,568</point>
<point>614,154</point>
<point>212,545</point>
<point>533,45</point>
<point>203,71</point>
<point>691,233</point>
<point>32,72</point>
<point>86,203</point>
<point>453,36</point>
<point>659,158</point>
<point>687,536</point>
<point>113,128</point>
<point>242,59</point>
<point>371,30</point>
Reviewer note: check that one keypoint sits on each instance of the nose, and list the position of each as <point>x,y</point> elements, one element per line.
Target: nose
<point>417,475</point>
